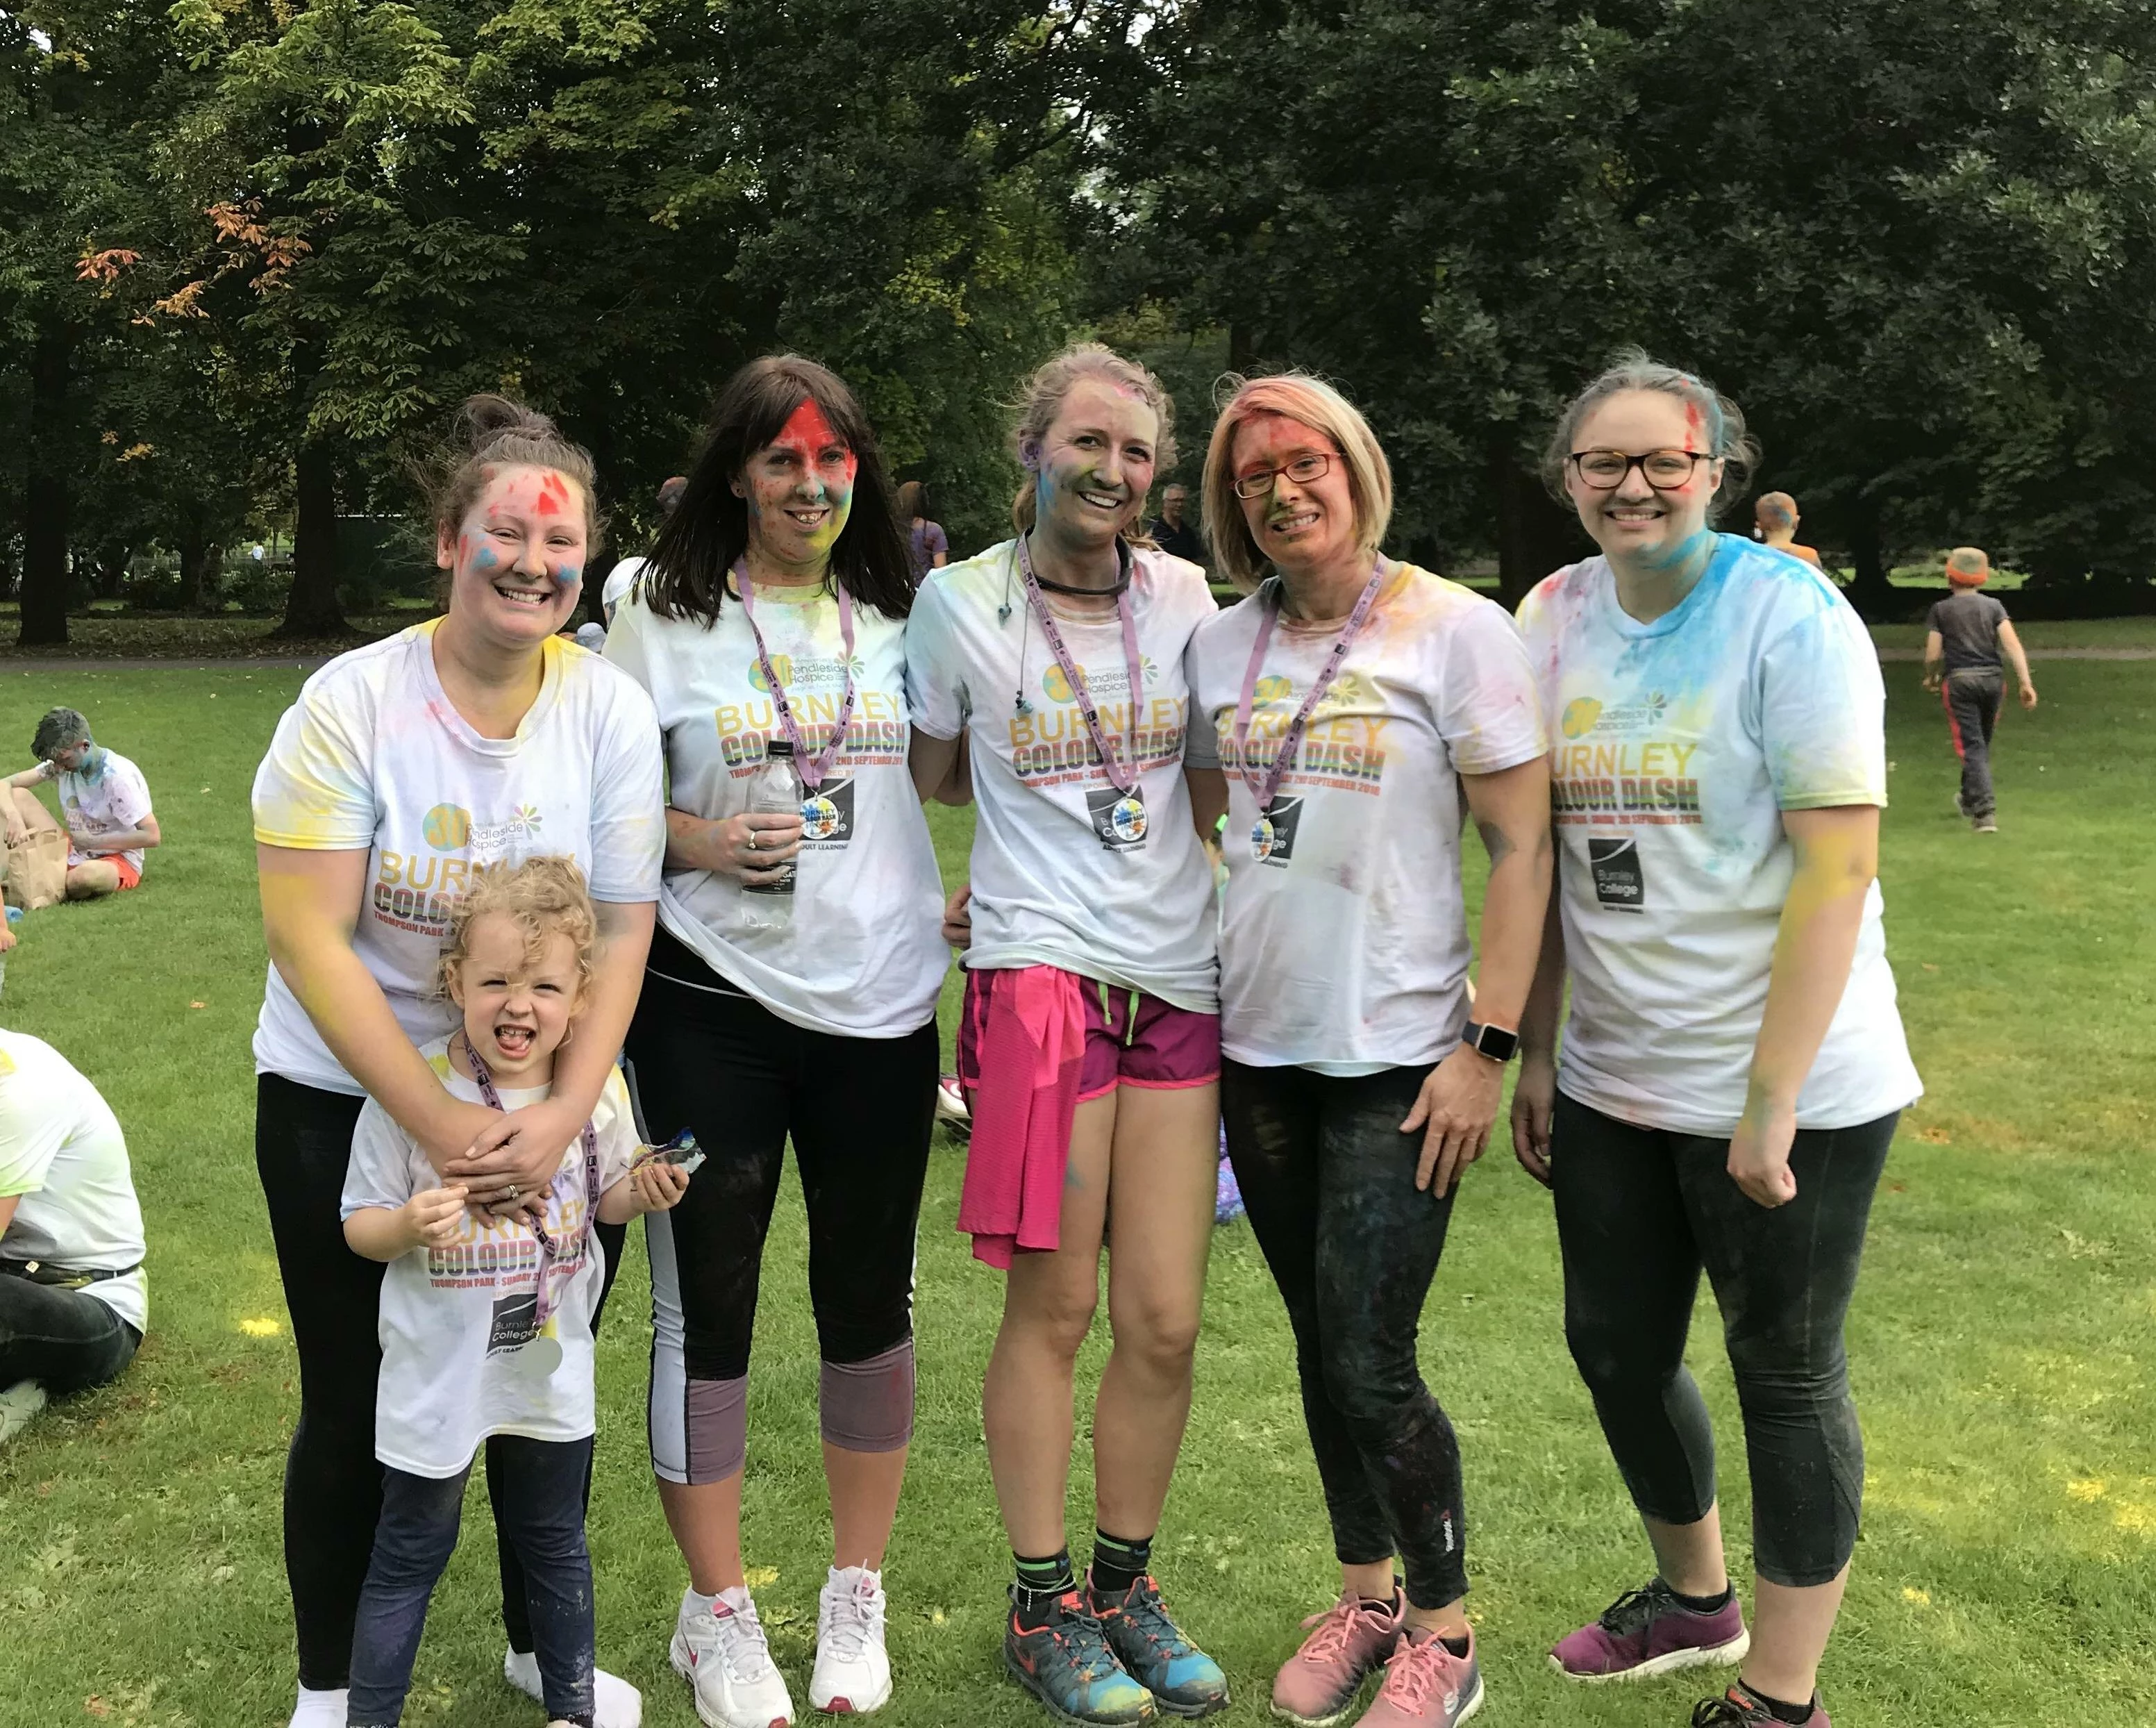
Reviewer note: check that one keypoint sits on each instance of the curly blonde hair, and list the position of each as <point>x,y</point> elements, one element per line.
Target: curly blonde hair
<point>547,895</point>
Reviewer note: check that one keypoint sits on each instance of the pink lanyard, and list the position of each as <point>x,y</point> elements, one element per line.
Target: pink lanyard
<point>1122,775</point>
<point>1266,787</point>
<point>550,1251</point>
<point>814,767</point>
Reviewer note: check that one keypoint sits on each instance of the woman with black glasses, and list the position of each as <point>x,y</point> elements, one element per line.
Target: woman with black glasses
<point>1733,1063</point>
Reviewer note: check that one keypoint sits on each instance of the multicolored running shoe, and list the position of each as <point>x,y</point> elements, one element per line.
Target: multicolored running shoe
<point>1647,1632</point>
<point>1184,1681</point>
<point>1068,1664</point>
<point>1736,1708</point>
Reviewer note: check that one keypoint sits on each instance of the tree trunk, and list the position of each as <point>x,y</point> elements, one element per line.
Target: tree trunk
<point>49,492</point>
<point>312,608</point>
<point>194,568</point>
<point>1534,535</point>
<point>1874,596</point>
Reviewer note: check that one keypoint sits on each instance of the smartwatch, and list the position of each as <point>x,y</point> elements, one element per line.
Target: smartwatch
<point>1494,1042</point>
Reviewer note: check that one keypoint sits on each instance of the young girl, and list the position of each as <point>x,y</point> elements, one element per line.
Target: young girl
<point>486,1319</point>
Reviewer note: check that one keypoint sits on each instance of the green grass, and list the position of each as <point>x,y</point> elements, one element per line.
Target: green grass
<point>2001,1342</point>
<point>2043,633</point>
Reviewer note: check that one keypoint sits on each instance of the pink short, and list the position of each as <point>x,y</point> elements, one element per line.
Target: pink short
<point>1131,1039</point>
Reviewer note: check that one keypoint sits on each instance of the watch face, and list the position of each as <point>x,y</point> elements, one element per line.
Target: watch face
<point>1493,1041</point>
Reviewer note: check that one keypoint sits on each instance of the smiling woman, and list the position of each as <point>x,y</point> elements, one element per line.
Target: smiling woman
<point>406,770</point>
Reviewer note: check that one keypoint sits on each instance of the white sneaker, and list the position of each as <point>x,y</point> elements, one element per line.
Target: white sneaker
<point>853,1671</point>
<point>322,1709</point>
<point>616,1703</point>
<point>725,1656</point>
<point>18,1405</point>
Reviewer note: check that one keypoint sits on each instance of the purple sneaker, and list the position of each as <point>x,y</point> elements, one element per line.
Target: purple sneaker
<point>1648,1630</point>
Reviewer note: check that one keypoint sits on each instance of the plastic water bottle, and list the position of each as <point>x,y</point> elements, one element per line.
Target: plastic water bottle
<point>776,791</point>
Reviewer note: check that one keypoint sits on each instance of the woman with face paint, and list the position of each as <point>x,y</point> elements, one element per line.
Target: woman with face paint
<point>1355,702</point>
<point>1733,1063</point>
<point>461,745</point>
<point>773,614</point>
<point>1090,1043</point>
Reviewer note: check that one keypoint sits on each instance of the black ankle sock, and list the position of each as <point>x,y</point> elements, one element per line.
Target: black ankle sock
<point>1119,1561</point>
<point>1459,1646</point>
<point>1039,1582</point>
<point>1705,1604</point>
<point>1780,1709</point>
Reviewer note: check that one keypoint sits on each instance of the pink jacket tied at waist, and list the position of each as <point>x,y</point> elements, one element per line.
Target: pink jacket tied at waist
<point>1013,1198</point>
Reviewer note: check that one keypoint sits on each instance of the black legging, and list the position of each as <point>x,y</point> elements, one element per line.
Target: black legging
<point>1328,1180</point>
<point>332,1481</point>
<point>861,1114</point>
<point>1639,1210</point>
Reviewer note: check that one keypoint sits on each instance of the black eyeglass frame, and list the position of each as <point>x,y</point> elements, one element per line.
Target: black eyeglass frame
<point>1640,462</point>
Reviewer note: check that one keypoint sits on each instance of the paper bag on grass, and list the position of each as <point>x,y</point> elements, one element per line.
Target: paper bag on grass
<point>37,868</point>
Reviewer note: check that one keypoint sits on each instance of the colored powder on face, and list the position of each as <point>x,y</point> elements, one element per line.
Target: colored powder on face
<point>809,436</point>
<point>553,495</point>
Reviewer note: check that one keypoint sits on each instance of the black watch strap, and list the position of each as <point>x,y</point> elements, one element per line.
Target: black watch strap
<point>1494,1042</point>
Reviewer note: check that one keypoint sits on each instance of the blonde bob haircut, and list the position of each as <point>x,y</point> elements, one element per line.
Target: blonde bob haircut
<point>1311,401</point>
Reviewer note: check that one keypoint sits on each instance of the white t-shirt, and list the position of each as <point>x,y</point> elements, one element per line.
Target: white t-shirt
<point>1345,949</point>
<point>115,798</point>
<point>374,756</point>
<point>619,581</point>
<point>861,956</point>
<point>456,1323</point>
<point>1059,877</point>
<point>61,1150</point>
<point>1676,747</point>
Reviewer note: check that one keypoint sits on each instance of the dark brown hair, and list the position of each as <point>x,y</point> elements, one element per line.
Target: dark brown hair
<point>708,530</point>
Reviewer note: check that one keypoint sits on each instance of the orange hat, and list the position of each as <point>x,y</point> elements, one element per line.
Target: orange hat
<point>1969,567</point>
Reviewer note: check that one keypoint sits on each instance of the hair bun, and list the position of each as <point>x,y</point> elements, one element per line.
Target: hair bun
<point>484,417</point>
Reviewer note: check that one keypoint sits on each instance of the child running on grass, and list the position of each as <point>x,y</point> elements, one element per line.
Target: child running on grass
<point>487,1321</point>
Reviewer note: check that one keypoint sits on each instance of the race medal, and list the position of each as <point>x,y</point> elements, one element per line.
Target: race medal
<point>819,818</point>
<point>543,1353</point>
<point>1127,818</point>
<point>1262,838</point>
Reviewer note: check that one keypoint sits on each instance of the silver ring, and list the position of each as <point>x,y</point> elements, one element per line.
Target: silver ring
<point>515,1192</point>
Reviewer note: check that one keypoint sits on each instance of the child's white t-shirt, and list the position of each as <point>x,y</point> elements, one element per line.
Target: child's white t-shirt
<point>1676,746</point>
<point>862,954</point>
<point>374,756</point>
<point>116,797</point>
<point>1061,876</point>
<point>458,1361</point>
<point>1345,950</point>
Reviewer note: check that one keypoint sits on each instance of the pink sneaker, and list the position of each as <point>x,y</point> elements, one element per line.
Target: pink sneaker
<point>1316,1684</point>
<point>1648,1630</point>
<point>1426,1685</point>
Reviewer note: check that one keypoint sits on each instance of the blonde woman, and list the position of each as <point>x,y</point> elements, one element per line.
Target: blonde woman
<point>1349,704</point>
<point>1091,1039</point>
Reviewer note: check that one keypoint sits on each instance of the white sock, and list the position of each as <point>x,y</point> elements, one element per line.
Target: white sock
<point>735,1598</point>
<point>320,1708</point>
<point>695,1601</point>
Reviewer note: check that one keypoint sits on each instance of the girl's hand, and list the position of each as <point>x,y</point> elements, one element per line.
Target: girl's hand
<point>509,1166</point>
<point>958,917</point>
<point>659,1185</point>
<point>434,1217</point>
<point>1534,1101</point>
<point>1459,1103</point>
<point>1760,1153</point>
<point>752,847</point>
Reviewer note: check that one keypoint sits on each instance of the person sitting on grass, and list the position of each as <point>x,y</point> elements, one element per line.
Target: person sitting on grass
<point>74,1300</point>
<point>485,1320</point>
<point>1776,515</point>
<point>104,798</point>
<point>1965,634</point>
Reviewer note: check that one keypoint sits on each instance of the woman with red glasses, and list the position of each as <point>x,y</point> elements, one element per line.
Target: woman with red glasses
<point>1733,1062</point>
